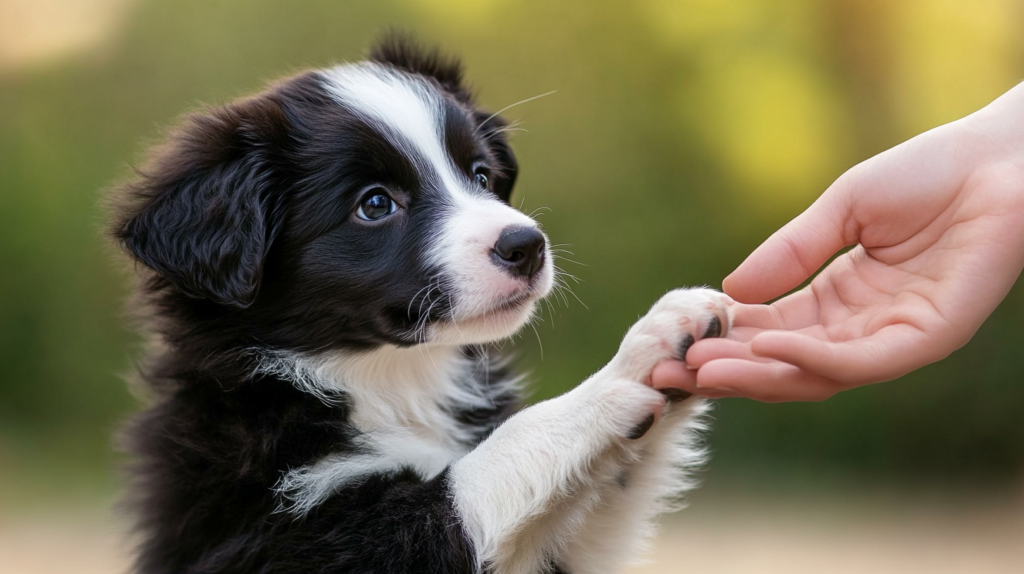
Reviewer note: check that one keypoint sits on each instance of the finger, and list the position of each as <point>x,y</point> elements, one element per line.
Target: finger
<point>707,350</point>
<point>759,316</point>
<point>772,382</point>
<point>889,353</point>
<point>795,252</point>
<point>675,375</point>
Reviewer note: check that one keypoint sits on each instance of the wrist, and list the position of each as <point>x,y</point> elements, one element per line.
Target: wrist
<point>996,131</point>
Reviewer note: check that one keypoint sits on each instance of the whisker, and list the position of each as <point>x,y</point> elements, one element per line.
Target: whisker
<point>493,133</point>
<point>564,258</point>
<point>408,311</point>
<point>562,285</point>
<point>451,316</point>
<point>511,127</point>
<point>540,345</point>
<point>562,272</point>
<point>510,106</point>
<point>550,307</point>
<point>538,211</point>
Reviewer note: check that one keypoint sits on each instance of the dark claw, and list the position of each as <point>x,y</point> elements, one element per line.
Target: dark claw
<point>675,395</point>
<point>642,428</point>
<point>714,328</point>
<point>684,346</point>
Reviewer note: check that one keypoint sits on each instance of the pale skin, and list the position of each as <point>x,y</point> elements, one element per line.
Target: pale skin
<point>938,228</point>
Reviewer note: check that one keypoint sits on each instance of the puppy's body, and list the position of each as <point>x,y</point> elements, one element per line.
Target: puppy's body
<point>326,262</point>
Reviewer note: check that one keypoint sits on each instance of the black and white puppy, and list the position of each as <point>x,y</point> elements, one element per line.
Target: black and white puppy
<point>323,264</point>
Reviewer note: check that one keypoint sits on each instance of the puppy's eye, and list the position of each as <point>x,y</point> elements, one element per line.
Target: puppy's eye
<point>376,206</point>
<point>481,176</point>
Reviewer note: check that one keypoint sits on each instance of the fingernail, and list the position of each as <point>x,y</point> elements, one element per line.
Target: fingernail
<point>675,395</point>
<point>690,367</point>
<point>642,428</point>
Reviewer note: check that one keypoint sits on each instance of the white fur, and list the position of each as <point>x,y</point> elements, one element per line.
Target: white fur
<point>545,484</point>
<point>558,481</point>
<point>620,528</point>
<point>401,400</point>
<point>302,489</point>
<point>405,109</point>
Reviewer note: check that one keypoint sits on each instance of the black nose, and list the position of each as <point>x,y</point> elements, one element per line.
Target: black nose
<point>520,249</point>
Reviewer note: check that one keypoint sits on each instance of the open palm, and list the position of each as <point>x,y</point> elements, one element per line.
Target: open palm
<point>938,229</point>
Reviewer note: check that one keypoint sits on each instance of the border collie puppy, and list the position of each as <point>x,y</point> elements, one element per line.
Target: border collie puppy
<point>324,265</point>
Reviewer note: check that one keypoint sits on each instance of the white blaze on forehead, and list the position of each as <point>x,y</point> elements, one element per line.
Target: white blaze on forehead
<point>407,110</point>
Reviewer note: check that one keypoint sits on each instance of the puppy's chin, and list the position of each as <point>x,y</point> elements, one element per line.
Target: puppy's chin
<point>501,322</point>
<point>486,328</point>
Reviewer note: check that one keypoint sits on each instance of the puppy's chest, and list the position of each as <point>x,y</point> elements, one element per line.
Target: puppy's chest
<point>409,426</point>
<point>405,419</point>
<point>422,406</point>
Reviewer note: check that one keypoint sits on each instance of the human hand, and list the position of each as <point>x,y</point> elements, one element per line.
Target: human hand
<point>938,224</point>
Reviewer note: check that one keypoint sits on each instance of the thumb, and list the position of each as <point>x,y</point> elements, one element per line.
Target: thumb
<point>795,252</point>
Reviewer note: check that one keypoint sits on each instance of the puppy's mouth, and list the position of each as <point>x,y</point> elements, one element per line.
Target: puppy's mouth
<point>516,301</point>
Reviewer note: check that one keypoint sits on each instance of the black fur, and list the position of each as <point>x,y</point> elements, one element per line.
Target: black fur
<point>242,223</point>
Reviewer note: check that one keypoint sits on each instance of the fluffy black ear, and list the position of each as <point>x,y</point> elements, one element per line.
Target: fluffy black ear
<point>401,50</point>
<point>202,214</point>
<point>492,129</point>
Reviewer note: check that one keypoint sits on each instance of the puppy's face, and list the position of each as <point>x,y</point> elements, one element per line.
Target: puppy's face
<point>402,224</point>
<point>351,207</point>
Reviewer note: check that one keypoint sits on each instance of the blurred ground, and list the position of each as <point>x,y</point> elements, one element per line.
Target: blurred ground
<point>909,532</point>
<point>835,536</point>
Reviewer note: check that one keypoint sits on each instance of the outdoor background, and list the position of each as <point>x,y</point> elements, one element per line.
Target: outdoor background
<point>682,134</point>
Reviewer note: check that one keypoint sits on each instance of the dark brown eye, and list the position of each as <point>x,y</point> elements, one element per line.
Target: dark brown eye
<point>376,206</point>
<point>481,176</point>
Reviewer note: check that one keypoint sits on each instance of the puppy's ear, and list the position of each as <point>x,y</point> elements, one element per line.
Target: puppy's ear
<point>491,128</point>
<point>401,50</point>
<point>203,214</point>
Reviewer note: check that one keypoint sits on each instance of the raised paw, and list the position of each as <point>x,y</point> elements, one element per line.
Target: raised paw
<point>622,389</point>
<point>679,319</point>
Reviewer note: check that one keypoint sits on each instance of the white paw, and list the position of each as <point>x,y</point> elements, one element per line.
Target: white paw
<point>629,408</point>
<point>675,322</point>
<point>679,319</point>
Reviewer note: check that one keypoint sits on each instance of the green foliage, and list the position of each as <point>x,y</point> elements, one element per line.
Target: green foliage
<point>681,134</point>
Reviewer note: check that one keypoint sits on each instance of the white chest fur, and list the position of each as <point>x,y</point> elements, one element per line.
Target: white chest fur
<point>402,402</point>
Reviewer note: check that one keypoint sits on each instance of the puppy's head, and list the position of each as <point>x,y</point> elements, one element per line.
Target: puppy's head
<point>349,207</point>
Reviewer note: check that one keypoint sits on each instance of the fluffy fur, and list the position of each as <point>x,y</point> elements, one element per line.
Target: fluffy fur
<point>324,265</point>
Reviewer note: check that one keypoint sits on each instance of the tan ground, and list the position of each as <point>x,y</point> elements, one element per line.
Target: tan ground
<point>835,537</point>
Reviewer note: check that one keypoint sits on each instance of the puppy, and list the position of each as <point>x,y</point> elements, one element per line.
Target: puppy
<point>324,265</point>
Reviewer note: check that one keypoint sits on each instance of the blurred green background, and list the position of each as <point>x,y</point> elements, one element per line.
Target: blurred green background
<point>682,133</point>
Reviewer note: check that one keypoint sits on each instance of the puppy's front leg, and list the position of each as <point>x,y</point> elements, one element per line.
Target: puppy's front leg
<point>659,470</point>
<point>516,491</point>
<point>524,492</point>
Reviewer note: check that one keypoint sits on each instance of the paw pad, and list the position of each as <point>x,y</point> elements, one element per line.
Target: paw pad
<point>714,328</point>
<point>642,428</point>
<point>684,346</point>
